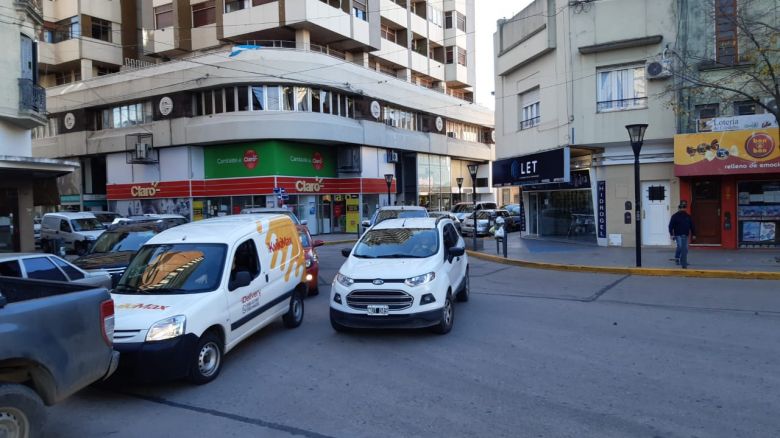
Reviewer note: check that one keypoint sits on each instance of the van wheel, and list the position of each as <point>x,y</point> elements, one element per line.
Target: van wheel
<point>294,316</point>
<point>207,359</point>
<point>447,317</point>
<point>463,295</point>
<point>21,412</point>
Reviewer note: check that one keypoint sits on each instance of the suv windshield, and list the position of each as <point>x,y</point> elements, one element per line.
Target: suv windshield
<point>115,241</point>
<point>88,224</point>
<point>383,215</point>
<point>174,269</point>
<point>398,243</point>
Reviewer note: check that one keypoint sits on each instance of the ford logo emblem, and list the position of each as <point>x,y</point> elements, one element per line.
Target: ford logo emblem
<point>378,282</point>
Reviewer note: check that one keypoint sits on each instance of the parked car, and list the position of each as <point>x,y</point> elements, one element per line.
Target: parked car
<point>114,248</point>
<point>41,266</point>
<point>463,209</point>
<point>447,214</point>
<point>393,212</point>
<point>263,210</point>
<point>485,219</point>
<point>6,233</point>
<point>76,231</point>
<point>56,339</point>
<point>312,261</point>
<point>106,217</point>
<point>193,292</point>
<point>37,231</point>
<point>402,273</point>
<point>515,219</point>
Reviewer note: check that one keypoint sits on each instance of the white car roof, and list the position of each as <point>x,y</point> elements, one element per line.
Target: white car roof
<point>21,255</point>
<point>223,229</point>
<point>402,207</point>
<point>412,222</point>
<point>72,215</point>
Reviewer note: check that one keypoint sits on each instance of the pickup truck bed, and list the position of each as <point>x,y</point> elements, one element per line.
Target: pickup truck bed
<point>55,339</point>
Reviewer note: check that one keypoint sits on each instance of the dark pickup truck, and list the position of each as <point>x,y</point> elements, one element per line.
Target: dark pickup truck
<point>55,339</point>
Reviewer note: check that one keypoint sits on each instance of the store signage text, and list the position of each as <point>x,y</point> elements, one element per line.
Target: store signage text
<point>723,153</point>
<point>317,162</point>
<point>310,187</point>
<point>601,191</point>
<point>145,191</point>
<point>736,123</point>
<point>540,168</point>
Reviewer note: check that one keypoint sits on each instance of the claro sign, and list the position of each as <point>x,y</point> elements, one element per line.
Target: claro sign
<point>145,191</point>
<point>304,186</point>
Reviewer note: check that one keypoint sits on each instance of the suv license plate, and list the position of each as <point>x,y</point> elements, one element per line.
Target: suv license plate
<point>378,310</point>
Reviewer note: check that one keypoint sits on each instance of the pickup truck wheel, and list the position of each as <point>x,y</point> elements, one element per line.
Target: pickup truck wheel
<point>294,316</point>
<point>463,295</point>
<point>207,360</point>
<point>21,412</point>
<point>447,317</point>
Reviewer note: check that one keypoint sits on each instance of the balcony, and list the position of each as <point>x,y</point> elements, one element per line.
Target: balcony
<point>32,8</point>
<point>32,104</point>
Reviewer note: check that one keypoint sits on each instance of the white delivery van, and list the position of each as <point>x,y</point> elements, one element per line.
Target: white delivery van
<point>76,230</point>
<point>193,292</point>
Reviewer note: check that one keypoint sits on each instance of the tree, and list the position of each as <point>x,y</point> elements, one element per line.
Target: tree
<point>727,51</point>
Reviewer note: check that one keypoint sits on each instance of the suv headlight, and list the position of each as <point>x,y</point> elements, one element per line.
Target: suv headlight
<point>167,328</point>
<point>420,279</point>
<point>344,280</point>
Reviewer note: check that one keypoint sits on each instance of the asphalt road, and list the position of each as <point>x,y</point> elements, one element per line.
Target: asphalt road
<point>533,354</point>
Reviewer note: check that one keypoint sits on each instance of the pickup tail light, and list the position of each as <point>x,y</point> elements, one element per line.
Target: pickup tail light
<point>107,316</point>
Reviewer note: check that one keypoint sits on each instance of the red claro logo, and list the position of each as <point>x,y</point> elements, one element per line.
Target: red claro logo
<point>759,145</point>
<point>250,159</point>
<point>317,162</point>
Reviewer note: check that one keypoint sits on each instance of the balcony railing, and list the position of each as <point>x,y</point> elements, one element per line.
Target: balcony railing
<point>32,97</point>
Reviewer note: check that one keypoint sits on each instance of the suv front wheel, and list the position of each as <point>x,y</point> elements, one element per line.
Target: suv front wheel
<point>447,317</point>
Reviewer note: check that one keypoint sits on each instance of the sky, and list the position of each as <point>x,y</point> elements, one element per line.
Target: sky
<point>488,12</point>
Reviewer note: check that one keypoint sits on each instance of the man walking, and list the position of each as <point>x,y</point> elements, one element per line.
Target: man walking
<point>680,228</point>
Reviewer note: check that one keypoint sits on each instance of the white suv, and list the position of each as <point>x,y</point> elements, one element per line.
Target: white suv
<point>402,273</point>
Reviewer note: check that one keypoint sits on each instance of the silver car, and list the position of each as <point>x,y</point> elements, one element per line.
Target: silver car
<point>41,266</point>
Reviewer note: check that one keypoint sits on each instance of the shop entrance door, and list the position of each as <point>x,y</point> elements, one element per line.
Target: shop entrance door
<point>655,213</point>
<point>705,211</point>
<point>533,214</point>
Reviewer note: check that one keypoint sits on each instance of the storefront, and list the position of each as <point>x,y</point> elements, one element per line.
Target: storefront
<point>732,180</point>
<point>557,201</point>
<point>239,176</point>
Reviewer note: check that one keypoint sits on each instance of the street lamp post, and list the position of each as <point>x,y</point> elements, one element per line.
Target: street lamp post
<point>637,134</point>
<point>459,180</point>
<point>389,181</point>
<point>473,172</point>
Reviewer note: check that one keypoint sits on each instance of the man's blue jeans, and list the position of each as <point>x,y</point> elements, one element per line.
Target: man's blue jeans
<point>681,253</point>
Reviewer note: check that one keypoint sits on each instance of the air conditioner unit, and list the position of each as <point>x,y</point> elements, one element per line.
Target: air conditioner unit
<point>451,134</point>
<point>392,157</point>
<point>659,69</point>
<point>142,151</point>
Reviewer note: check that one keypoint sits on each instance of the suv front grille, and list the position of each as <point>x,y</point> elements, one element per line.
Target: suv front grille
<point>393,299</point>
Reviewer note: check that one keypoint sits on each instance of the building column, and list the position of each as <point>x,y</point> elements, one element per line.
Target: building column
<point>86,69</point>
<point>359,58</point>
<point>302,39</point>
<point>25,220</point>
<point>404,74</point>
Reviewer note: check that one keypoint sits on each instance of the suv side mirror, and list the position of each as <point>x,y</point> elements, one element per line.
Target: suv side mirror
<point>317,243</point>
<point>242,278</point>
<point>456,251</point>
<point>345,251</point>
<point>304,222</point>
<point>366,223</point>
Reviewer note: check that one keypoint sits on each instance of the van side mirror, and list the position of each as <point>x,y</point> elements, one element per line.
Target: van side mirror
<point>241,279</point>
<point>457,251</point>
<point>366,223</point>
<point>304,222</point>
<point>345,251</point>
<point>317,243</point>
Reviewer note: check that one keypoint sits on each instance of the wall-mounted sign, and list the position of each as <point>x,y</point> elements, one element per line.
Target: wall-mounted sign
<point>316,186</point>
<point>540,168</point>
<point>145,191</point>
<point>439,123</point>
<point>601,194</point>
<point>376,110</point>
<point>727,153</point>
<point>166,106</point>
<point>69,121</point>
<point>736,123</point>
<point>268,158</point>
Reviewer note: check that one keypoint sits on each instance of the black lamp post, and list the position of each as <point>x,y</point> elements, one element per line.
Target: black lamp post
<point>637,134</point>
<point>459,180</point>
<point>473,172</point>
<point>389,181</point>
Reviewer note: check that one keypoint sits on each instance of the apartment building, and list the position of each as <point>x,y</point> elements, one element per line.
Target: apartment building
<point>240,103</point>
<point>24,181</point>
<point>570,75</point>
<point>727,151</point>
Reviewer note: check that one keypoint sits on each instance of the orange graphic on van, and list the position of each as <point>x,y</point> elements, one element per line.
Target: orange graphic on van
<point>285,245</point>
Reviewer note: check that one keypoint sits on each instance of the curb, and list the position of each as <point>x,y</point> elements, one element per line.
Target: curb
<point>648,272</point>
<point>339,242</point>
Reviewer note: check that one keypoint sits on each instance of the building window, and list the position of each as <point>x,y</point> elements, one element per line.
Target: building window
<point>272,94</point>
<point>301,99</point>
<point>243,98</point>
<point>230,99</point>
<point>621,89</point>
<point>744,108</point>
<point>399,118</point>
<point>449,54</point>
<point>234,5</point>
<point>325,98</point>
<point>448,19</point>
<point>463,131</point>
<point>204,14</point>
<point>435,16</point>
<point>359,9</point>
<point>707,111</point>
<point>102,71</point>
<point>62,30</point>
<point>726,47</point>
<point>163,16</point>
<point>460,21</point>
<point>258,98</point>
<point>454,19</point>
<point>261,2</point>
<point>389,34</point>
<point>101,29</point>
<point>462,56</point>
<point>530,116</point>
<point>126,115</point>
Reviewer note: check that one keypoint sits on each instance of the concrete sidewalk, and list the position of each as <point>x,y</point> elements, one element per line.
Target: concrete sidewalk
<point>703,261</point>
